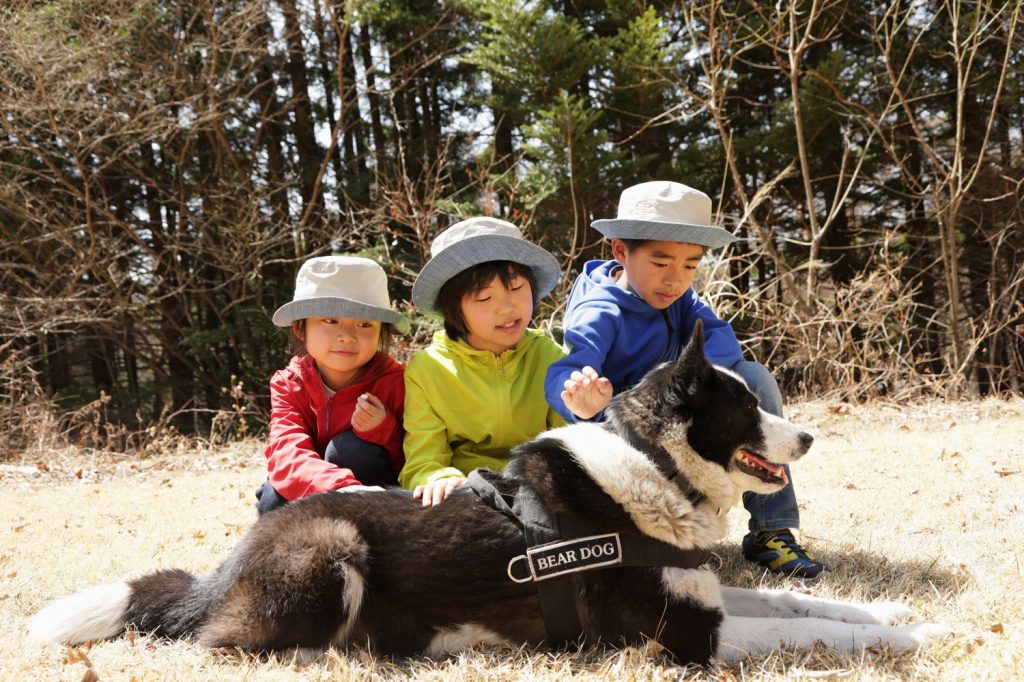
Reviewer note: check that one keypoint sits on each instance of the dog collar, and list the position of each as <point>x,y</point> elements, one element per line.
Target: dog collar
<point>661,458</point>
<point>560,545</point>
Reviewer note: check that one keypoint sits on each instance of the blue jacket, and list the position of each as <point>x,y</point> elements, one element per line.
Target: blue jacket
<point>622,337</point>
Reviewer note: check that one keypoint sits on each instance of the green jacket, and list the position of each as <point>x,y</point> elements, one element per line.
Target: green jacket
<point>466,408</point>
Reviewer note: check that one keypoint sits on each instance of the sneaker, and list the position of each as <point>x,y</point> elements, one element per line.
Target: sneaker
<point>779,552</point>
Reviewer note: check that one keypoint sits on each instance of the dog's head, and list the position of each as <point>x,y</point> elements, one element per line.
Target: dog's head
<point>718,417</point>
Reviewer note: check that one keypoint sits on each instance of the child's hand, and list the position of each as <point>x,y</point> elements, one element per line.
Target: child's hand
<point>434,492</point>
<point>586,393</point>
<point>369,413</point>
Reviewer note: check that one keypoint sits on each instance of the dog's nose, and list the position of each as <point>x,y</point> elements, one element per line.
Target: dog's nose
<point>806,440</point>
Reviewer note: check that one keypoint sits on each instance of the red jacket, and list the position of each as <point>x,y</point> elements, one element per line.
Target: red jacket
<point>303,421</point>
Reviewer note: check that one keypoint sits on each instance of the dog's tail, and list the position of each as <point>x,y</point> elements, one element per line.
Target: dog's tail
<point>170,603</point>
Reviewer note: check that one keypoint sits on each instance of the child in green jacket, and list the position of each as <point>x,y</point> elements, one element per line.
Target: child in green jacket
<point>478,389</point>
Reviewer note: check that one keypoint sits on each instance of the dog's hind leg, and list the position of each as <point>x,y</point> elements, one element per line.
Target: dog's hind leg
<point>692,615</point>
<point>788,604</point>
<point>740,637</point>
<point>299,588</point>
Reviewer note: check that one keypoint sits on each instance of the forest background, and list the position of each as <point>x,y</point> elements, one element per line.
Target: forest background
<point>166,166</point>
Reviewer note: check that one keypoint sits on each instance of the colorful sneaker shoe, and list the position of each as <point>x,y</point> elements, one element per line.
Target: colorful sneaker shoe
<point>779,552</point>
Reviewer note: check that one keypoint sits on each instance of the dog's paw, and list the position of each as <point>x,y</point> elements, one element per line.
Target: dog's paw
<point>888,612</point>
<point>916,635</point>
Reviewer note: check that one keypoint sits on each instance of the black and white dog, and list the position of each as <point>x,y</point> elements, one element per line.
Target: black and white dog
<point>378,569</point>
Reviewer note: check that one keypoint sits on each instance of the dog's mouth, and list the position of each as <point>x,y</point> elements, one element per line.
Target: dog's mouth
<point>760,468</point>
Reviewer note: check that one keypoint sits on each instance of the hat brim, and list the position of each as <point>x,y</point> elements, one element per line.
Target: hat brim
<point>704,235</point>
<point>333,306</point>
<point>483,249</point>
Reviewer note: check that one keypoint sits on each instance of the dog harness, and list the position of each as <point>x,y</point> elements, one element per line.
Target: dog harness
<point>558,545</point>
<point>660,457</point>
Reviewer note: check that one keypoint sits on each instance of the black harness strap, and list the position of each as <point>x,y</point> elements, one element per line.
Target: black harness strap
<point>561,544</point>
<point>661,458</point>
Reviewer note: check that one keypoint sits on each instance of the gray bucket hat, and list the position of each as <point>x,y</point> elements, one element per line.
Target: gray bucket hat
<point>480,240</point>
<point>664,211</point>
<point>340,286</point>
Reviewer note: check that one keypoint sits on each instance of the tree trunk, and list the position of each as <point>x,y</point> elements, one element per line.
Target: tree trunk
<point>58,367</point>
<point>430,135</point>
<point>373,97</point>
<point>837,244</point>
<point>350,103</point>
<point>414,143</point>
<point>271,131</point>
<point>306,146</point>
<point>330,84</point>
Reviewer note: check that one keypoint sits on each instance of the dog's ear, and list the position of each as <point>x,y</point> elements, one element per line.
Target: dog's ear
<point>693,353</point>
<point>692,368</point>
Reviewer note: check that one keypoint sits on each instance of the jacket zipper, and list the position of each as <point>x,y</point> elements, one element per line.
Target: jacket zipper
<point>666,355</point>
<point>503,391</point>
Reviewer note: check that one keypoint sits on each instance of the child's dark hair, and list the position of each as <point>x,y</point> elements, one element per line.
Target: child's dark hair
<point>298,346</point>
<point>634,244</point>
<point>470,281</point>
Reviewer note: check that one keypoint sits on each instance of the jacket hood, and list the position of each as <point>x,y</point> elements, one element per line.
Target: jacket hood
<point>597,283</point>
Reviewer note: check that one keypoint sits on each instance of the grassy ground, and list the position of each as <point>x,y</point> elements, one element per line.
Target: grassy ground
<point>921,504</point>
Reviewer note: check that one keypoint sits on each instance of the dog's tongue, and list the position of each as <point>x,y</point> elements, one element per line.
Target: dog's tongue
<point>774,469</point>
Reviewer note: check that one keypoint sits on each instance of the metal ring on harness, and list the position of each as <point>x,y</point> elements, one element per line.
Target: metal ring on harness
<point>527,579</point>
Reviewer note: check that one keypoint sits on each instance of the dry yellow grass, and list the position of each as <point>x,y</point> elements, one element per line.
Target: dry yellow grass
<point>917,503</point>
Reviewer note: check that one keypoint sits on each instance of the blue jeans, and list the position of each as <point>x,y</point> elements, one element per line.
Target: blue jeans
<point>777,510</point>
<point>368,462</point>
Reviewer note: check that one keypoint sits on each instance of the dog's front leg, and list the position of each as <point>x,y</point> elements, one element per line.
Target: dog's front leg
<point>693,612</point>
<point>740,636</point>
<point>788,604</point>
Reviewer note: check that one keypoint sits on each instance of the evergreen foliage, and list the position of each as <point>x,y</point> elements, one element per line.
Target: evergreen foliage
<point>165,167</point>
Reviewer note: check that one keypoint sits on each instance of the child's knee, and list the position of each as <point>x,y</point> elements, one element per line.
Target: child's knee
<point>267,498</point>
<point>368,462</point>
<point>347,446</point>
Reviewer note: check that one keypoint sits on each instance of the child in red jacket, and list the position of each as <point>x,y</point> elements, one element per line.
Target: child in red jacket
<point>336,409</point>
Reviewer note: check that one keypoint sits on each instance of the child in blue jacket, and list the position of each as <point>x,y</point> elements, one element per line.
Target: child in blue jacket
<point>626,315</point>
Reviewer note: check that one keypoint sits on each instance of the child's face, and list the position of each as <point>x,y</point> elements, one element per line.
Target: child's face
<point>658,272</point>
<point>341,346</point>
<point>496,317</point>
